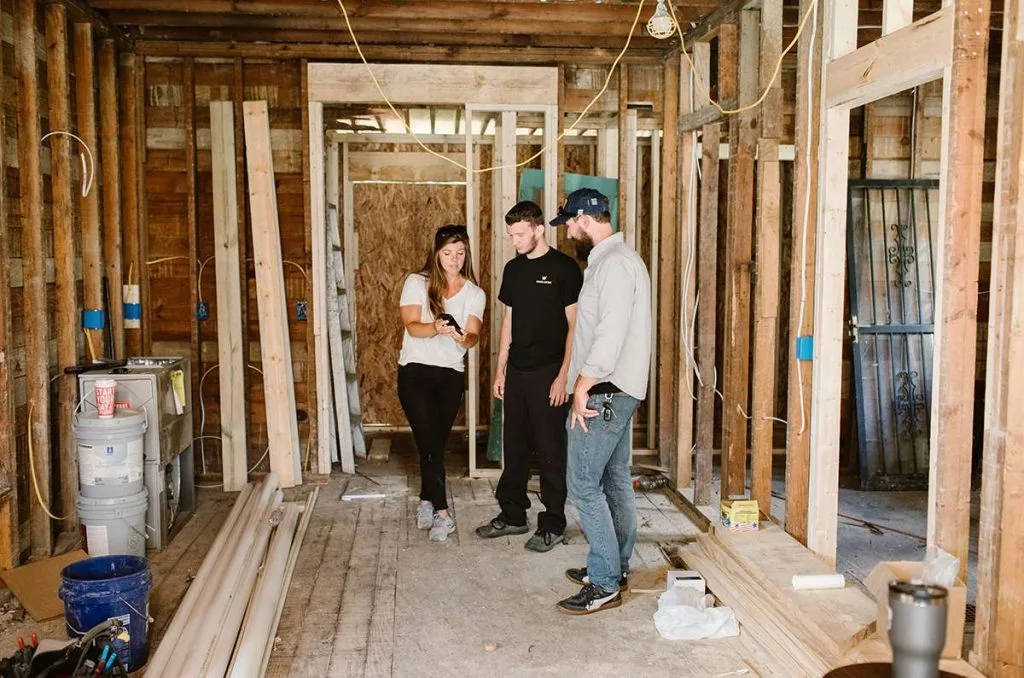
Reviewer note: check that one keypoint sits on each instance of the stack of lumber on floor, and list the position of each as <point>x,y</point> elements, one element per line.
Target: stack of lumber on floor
<point>751,572</point>
<point>227,621</point>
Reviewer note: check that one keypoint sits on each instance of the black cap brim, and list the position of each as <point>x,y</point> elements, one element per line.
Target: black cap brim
<point>561,219</point>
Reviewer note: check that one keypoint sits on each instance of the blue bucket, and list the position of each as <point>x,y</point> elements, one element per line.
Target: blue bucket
<point>97,589</point>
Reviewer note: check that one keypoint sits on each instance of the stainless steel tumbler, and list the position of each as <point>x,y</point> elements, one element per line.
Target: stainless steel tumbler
<point>917,630</point>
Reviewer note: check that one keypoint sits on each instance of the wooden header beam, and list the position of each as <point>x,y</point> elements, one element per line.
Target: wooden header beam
<point>909,57</point>
<point>423,84</point>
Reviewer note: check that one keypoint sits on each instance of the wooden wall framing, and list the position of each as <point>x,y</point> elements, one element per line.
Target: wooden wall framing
<point>959,54</point>
<point>490,89</point>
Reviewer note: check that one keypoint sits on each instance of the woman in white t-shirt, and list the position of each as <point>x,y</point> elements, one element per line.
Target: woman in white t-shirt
<point>431,364</point>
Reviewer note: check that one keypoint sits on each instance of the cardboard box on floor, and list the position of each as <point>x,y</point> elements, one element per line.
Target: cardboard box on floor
<point>904,570</point>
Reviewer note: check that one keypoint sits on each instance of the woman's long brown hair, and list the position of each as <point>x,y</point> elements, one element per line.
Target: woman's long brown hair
<point>437,283</point>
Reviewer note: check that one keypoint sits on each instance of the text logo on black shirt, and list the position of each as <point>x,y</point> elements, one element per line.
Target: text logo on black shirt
<point>544,281</point>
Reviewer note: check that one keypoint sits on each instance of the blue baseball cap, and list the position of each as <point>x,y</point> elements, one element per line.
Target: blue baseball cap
<point>579,202</point>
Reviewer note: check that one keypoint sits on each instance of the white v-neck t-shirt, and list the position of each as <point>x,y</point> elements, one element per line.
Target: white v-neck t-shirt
<point>439,350</point>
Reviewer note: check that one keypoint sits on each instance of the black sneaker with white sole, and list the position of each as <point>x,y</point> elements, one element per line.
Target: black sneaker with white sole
<point>590,599</point>
<point>578,575</point>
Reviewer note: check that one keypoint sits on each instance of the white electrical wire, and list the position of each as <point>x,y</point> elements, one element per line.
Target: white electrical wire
<point>807,213</point>
<point>202,413</point>
<point>88,173</point>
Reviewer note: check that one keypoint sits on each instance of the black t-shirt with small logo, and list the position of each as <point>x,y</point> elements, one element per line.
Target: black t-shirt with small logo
<point>538,291</point>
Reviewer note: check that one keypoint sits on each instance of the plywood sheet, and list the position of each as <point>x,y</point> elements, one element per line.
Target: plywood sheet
<point>395,225</point>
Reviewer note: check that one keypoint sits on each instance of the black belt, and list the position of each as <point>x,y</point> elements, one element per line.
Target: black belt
<point>604,388</point>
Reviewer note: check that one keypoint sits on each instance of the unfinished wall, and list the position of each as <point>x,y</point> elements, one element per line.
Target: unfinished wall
<point>172,85</point>
<point>29,531</point>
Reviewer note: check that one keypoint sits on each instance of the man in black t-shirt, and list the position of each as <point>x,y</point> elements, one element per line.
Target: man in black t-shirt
<point>539,290</point>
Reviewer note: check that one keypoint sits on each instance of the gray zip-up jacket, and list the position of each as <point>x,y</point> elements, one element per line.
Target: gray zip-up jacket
<point>612,341</point>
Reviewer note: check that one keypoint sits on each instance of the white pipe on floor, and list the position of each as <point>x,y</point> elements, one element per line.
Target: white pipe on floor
<point>166,647</point>
<point>200,634</point>
<point>255,635</point>
<point>293,557</point>
<point>243,595</point>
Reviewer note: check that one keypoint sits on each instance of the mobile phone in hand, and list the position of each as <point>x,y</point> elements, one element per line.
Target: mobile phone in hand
<point>450,321</point>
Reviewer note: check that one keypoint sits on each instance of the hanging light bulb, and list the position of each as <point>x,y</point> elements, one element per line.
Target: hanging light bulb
<point>661,25</point>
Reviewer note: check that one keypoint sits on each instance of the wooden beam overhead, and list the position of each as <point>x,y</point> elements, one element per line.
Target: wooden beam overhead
<point>422,84</point>
<point>908,57</point>
<point>384,53</point>
<point>707,27</point>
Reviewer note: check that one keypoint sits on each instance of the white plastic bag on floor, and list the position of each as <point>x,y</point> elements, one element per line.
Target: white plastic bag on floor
<point>685,614</point>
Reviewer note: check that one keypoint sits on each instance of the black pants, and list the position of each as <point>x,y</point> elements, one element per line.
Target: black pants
<point>530,423</point>
<point>431,397</point>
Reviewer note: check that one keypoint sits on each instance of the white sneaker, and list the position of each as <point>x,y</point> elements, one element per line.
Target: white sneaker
<point>425,516</point>
<point>442,527</point>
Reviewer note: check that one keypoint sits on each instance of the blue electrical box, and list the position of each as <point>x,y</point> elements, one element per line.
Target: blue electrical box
<point>300,310</point>
<point>202,310</point>
<point>805,348</point>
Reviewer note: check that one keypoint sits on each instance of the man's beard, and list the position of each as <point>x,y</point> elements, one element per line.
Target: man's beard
<point>584,244</point>
<point>532,247</point>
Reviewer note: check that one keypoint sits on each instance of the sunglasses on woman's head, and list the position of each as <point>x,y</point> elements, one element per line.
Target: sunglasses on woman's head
<point>449,231</point>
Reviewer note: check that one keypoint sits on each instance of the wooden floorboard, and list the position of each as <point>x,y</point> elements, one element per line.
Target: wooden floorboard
<point>381,645</point>
<point>348,656</point>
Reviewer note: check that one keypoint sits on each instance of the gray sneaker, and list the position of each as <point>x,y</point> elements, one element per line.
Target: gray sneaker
<point>425,515</point>
<point>543,541</point>
<point>442,527</point>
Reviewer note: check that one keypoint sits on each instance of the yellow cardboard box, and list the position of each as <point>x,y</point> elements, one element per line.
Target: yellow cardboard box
<point>740,514</point>
<point>905,570</point>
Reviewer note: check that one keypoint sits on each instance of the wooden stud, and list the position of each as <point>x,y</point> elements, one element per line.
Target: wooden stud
<point>188,87</point>
<point>111,163</point>
<point>738,253</point>
<point>707,268</point>
<point>560,113</point>
<point>956,268</point>
<point>896,14</point>
<point>687,205</point>
<point>85,105</point>
<point>30,177</point>
<point>766,287</point>
<point>130,197</point>
<point>1000,576</point>
<point>279,383</point>
<point>802,271</point>
<point>655,214</point>
<point>228,264</point>
<point>628,186</point>
<point>668,252</point>
<point>623,150</point>
<point>10,523</point>
<point>318,374</point>
<point>141,97</point>
<point>237,97</point>
<point>348,234</point>
<point>840,38</point>
<point>66,320</point>
<point>473,229</point>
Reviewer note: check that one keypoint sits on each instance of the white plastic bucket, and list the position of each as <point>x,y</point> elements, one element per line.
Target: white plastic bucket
<point>114,526</point>
<point>110,453</point>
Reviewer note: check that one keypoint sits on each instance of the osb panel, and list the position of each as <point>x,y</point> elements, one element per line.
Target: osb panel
<point>395,225</point>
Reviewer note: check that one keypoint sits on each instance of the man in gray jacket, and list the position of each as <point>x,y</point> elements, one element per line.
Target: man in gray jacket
<point>608,373</point>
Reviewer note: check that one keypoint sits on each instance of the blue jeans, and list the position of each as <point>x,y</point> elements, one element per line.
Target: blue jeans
<point>601,487</point>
